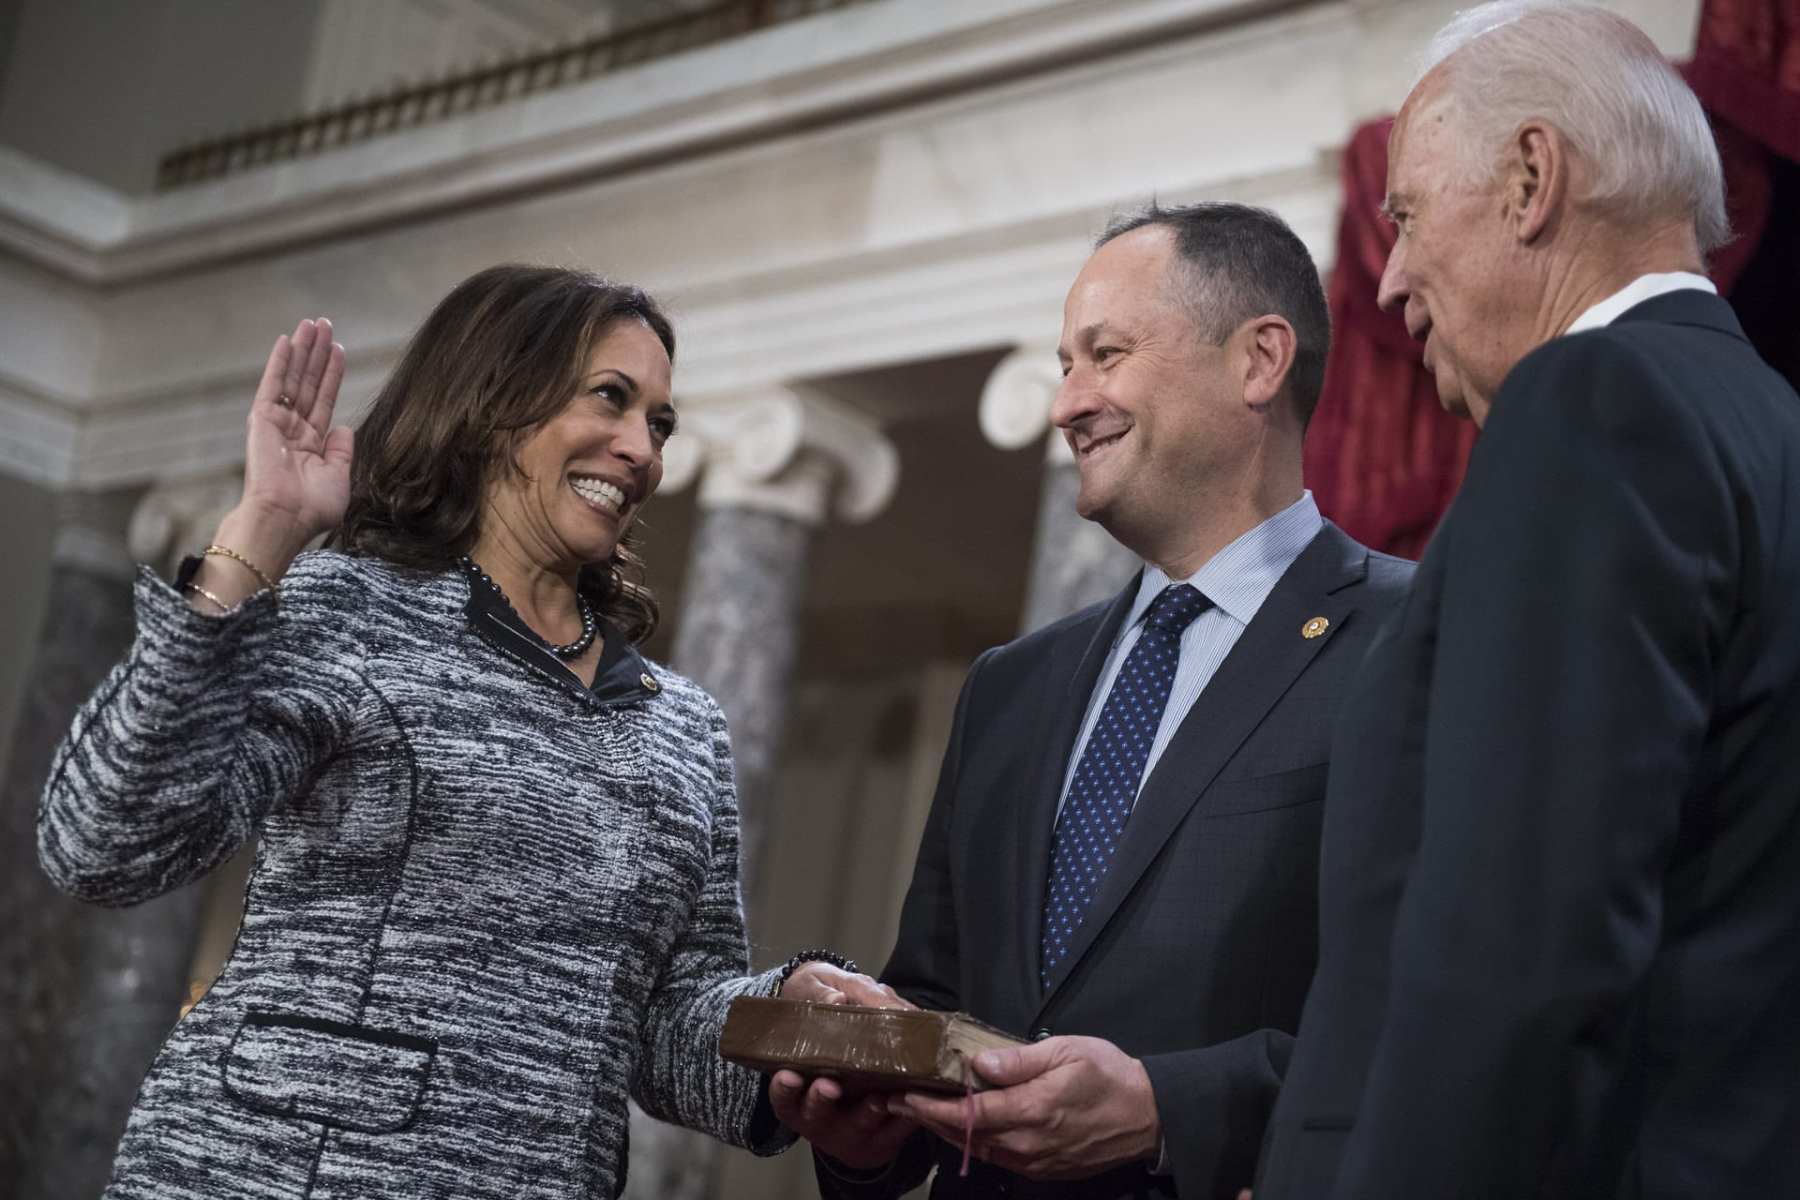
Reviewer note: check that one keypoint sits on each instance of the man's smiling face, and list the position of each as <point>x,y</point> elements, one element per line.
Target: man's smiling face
<point>1146,404</point>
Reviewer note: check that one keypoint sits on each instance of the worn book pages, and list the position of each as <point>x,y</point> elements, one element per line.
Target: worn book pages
<point>869,1049</point>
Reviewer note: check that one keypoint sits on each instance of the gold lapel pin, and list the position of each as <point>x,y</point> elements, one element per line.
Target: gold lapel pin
<point>1315,627</point>
<point>650,685</point>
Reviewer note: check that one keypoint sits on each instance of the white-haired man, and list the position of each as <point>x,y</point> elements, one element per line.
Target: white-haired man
<point>1560,879</point>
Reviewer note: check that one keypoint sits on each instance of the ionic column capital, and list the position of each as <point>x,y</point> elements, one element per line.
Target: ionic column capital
<point>1016,400</point>
<point>786,448</point>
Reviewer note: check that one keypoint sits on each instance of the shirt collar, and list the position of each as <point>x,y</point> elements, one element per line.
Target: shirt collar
<point>1240,577</point>
<point>1644,287</point>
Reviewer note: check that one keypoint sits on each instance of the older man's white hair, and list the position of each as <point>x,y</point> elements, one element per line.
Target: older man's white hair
<point>1599,80</point>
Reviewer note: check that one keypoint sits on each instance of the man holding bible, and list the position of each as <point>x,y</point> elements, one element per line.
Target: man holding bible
<point>1121,857</point>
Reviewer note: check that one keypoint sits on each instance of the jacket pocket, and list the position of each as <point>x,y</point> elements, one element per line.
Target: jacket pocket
<point>1259,793</point>
<point>344,1076</point>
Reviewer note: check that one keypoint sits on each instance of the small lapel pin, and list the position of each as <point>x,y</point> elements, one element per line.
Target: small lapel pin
<point>1314,627</point>
<point>650,684</point>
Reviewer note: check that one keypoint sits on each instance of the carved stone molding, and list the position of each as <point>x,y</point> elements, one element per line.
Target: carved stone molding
<point>177,517</point>
<point>866,60</point>
<point>786,449</point>
<point>1016,400</point>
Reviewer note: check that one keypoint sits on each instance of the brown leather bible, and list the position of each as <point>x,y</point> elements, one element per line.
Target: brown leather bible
<point>869,1049</point>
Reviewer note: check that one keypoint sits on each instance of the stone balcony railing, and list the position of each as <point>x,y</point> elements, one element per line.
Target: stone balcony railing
<point>410,105</point>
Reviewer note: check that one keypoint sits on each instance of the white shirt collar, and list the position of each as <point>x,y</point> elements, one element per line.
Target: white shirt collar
<point>1643,288</point>
<point>1240,577</point>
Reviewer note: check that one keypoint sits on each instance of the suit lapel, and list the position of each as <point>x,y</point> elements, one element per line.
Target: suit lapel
<point>1075,667</point>
<point>1268,657</point>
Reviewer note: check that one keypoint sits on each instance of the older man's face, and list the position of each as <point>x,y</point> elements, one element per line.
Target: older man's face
<point>1453,270</point>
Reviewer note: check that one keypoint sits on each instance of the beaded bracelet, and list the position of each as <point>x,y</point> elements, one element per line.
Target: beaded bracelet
<point>806,956</point>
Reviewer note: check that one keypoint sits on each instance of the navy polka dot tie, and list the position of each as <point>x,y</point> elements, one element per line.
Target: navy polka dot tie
<point>1105,784</point>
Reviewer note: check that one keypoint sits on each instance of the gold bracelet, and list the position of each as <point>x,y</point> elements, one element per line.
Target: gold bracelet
<point>200,591</point>
<point>227,552</point>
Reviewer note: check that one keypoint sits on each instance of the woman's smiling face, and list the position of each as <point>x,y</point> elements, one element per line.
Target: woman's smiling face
<point>584,474</point>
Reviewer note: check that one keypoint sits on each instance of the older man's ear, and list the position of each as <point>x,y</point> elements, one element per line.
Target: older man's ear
<point>1538,183</point>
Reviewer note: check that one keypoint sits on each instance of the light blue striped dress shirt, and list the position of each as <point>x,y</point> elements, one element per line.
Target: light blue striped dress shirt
<point>1237,580</point>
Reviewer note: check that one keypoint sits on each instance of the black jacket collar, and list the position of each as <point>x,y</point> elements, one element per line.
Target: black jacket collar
<point>623,677</point>
<point>1689,306</point>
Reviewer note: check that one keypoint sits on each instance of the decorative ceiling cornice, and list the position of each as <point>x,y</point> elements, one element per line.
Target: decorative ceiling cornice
<point>476,88</point>
<point>898,237</point>
<point>875,56</point>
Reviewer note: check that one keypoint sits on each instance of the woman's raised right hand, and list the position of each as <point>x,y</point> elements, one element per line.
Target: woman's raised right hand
<point>296,463</point>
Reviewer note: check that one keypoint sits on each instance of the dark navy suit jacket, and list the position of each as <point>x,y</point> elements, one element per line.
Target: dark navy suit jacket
<point>1197,951</point>
<point>1560,886</point>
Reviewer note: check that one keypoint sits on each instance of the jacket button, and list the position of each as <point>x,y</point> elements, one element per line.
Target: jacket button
<point>1038,1035</point>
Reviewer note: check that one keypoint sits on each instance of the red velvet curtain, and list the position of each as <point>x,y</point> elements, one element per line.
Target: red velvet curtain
<point>1382,456</point>
<point>1746,70</point>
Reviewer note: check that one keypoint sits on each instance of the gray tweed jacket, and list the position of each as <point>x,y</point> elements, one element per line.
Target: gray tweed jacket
<point>488,904</point>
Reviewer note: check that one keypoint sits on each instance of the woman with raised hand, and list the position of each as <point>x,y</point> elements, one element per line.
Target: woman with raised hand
<point>496,886</point>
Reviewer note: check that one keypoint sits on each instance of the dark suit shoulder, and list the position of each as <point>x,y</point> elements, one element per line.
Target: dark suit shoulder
<point>1597,390</point>
<point>1672,366</point>
<point>1382,577</point>
<point>1077,626</point>
<point>1389,576</point>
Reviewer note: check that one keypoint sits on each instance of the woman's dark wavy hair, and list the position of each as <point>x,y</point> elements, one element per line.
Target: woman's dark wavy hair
<point>498,357</point>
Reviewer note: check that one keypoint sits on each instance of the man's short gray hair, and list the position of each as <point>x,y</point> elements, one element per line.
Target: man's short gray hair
<point>1603,84</point>
<point>1234,262</point>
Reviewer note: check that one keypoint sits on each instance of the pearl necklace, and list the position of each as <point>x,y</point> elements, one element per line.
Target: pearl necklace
<point>574,649</point>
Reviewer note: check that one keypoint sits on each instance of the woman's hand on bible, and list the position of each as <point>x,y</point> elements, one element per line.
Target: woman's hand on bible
<point>296,463</point>
<point>822,983</point>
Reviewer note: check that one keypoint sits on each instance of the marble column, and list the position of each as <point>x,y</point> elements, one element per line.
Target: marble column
<point>1074,562</point>
<point>773,465</point>
<point>738,631</point>
<point>89,993</point>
